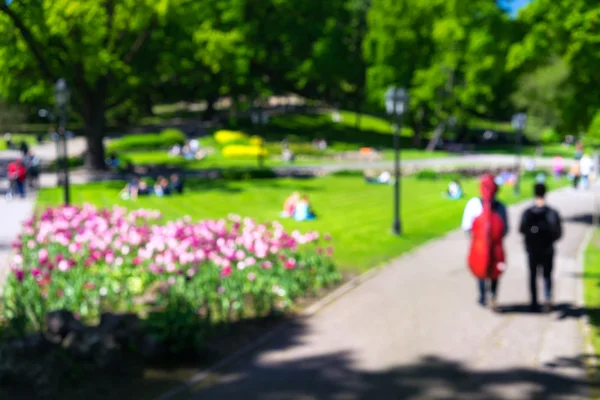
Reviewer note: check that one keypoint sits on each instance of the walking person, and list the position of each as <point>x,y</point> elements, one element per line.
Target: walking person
<point>575,173</point>
<point>586,167</point>
<point>541,227</point>
<point>486,221</point>
<point>16,175</point>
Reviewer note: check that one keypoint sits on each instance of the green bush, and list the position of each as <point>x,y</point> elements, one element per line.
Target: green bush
<point>593,135</point>
<point>171,137</point>
<point>148,141</point>
<point>550,136</point>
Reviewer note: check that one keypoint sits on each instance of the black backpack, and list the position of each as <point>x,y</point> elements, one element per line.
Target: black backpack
<point>542,229</point>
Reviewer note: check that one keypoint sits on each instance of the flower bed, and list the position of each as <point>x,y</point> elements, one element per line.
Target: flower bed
<point>182,277</point>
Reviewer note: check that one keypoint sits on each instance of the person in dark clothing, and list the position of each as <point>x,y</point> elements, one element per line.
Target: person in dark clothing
<point>24,148</point>
<point>176,185</point>
<point>541,227</point>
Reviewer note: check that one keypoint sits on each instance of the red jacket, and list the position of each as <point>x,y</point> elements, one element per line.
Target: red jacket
<point>16,170</point>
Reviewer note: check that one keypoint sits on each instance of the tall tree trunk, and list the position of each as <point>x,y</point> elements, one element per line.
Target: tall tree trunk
<point>210,106</point>
<point>94,119</point>
<point>418,131</point>
<point>94,128</point>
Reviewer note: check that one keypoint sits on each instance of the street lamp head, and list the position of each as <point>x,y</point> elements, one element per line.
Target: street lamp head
<point>43,113</point>
<point>518,121</point>
<point>396,101</point>
<point>61,93</point>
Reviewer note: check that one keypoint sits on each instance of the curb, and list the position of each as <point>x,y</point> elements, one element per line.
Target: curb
<point>592,362</point>
<point>314,308</point>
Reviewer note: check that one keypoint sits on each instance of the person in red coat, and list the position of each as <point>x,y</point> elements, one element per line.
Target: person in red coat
<point>17,175</point>
<point>486,221</point>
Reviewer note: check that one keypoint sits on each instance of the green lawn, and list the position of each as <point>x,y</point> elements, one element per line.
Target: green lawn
<point>358,215</point>
<point>591,282</point>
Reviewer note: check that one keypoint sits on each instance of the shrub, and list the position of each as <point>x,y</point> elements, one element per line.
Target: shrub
<point>593,135</point>
<point>550,136</point>
<point>171,137</point>
<point>227,137</point>
<point>242,151</point>
<point>87,260</point>
<point>256,141</point>
<point>148,141</point>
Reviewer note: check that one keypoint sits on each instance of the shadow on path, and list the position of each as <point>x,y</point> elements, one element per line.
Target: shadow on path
<point>587,219</point>
<point>332,377</point>
<point>561,310</point>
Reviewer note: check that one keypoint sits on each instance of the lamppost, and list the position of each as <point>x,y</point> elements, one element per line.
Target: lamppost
<point>518,123</point>
<point>62,96</point>
<point>396,104</point>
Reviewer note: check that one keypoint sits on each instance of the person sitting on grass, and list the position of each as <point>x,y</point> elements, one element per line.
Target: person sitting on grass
<point>176,184</point>
<point>384,178</point>
<point>112,161</point>
<point>289,206</point>
<point>136,187</point>
<point>454,191</point>
<point>161,188</point>
<point>303,210</point>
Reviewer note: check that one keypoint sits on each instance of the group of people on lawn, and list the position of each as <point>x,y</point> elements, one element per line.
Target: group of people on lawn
<point>191,150</point>
<point>162,188</point>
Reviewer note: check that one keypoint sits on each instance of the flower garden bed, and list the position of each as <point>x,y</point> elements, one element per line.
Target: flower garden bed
<point>183,281</point>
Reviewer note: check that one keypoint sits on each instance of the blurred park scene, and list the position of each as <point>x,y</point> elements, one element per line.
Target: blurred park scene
<point>180,177</point>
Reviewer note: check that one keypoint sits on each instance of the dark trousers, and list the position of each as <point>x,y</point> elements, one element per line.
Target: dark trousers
<point>540,261</point>
<point>493,287</point>
<point>575,181</point>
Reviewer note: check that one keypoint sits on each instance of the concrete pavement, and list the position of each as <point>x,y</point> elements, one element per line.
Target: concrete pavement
<point>414,331</point>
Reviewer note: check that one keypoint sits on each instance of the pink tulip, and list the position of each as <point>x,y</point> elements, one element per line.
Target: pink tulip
<point>251,276</point>
<point>226,272</point>
<point>19,274</point>
<point>290,263</point>
<point>63,265</point>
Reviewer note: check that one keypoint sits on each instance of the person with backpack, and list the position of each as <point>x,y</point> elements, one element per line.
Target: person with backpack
<point>541,228</point>
<point>486,221</point>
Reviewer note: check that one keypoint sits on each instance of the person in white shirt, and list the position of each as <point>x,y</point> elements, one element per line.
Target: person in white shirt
<point>194,145</point>
<point>586,167</point>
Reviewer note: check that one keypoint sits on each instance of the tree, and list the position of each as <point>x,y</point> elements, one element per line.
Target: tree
<point>566,29</point>
<point>109,52</point>
<point>449,53</point>
<point>543,94</point>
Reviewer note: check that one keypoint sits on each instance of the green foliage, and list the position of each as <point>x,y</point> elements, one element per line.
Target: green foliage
<point>543,93</point>
<point>593,132</point>
<point>148,141</point>
<point>550,136</point>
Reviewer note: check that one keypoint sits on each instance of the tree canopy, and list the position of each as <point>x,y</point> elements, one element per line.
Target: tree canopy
<point>456,58</point>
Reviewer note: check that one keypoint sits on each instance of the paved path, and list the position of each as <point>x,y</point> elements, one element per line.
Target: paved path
<point>414,332</point>
<point>12,216</point>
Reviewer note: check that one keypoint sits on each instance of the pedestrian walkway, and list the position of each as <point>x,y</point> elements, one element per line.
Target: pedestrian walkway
<point>414,331</point>
<point>12,216</point>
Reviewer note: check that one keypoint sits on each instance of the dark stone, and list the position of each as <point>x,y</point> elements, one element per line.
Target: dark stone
<point>107,352</point>
<point>58,322</point>
<point>126,328</point>
<point>152,347</point>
